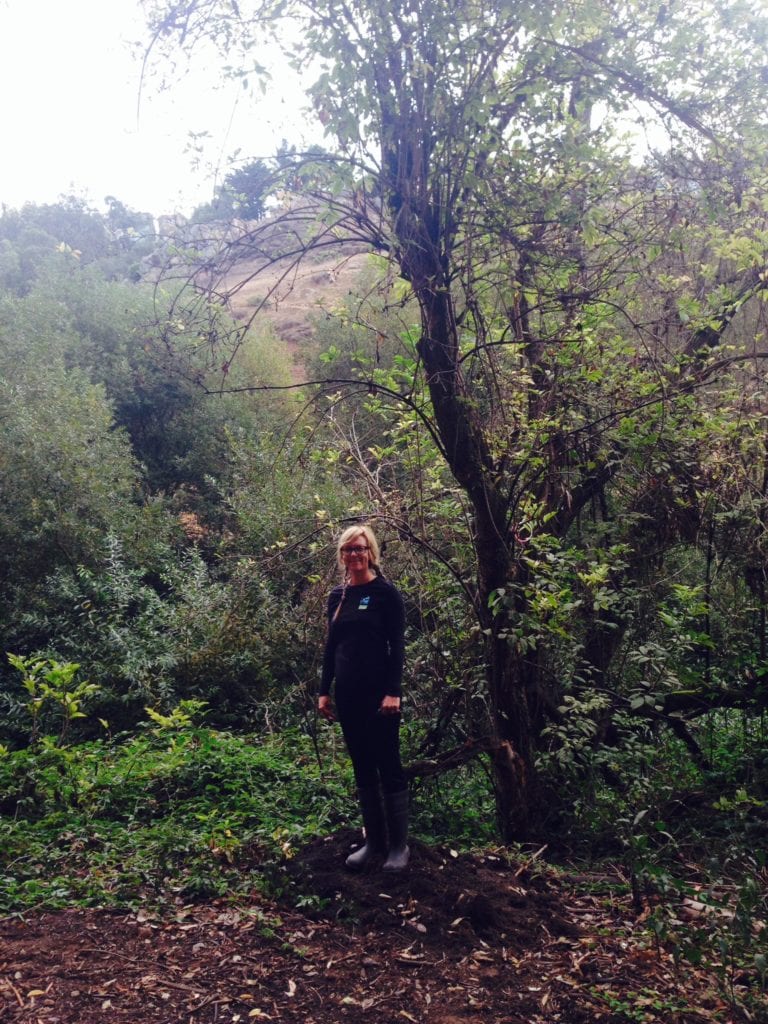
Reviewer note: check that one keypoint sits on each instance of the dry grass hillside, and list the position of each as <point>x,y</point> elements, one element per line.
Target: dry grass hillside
<point>288,297</point>
<point>259,287</point>
<point>291,298</point>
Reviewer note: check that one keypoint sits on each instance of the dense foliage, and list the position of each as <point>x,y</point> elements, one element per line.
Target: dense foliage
<point>243,193</point>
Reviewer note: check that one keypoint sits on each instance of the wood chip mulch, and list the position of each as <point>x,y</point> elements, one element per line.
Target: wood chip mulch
<point>453,940</point>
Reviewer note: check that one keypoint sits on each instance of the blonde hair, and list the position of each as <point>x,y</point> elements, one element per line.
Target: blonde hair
<point>374,553</point>
<point>374,557</point>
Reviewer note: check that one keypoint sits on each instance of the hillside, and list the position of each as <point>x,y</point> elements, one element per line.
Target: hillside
<point>239,260</point>
<point>288,298</point>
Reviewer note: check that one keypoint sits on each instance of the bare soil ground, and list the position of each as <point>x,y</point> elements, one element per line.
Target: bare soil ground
<point>455,939</point>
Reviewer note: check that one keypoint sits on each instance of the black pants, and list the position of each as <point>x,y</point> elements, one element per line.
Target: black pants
<point>373,742</point>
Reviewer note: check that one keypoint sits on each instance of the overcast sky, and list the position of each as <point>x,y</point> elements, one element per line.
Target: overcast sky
<point>70,120</point>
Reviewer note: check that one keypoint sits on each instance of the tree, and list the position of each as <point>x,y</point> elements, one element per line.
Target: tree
<point>478,146</point>
<point>122,489</point>
<point>247,188</point>
<point>243,194</point>
<point>35,237</point>
<point>67,475</point>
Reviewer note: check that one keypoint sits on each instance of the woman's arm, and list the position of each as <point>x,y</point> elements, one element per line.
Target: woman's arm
<point>396,643</point>
<point>329,654</point>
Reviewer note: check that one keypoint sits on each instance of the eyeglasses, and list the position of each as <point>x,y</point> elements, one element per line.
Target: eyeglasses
<point>354,549</point>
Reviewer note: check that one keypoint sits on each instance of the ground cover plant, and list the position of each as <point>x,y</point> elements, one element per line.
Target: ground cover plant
<point>178,810</point>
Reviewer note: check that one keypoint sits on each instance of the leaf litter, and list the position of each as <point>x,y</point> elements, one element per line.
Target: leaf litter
<point>456,939</point>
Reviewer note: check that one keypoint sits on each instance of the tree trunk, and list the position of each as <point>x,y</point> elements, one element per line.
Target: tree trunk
<point>463,440</point>
<point>512,750</point>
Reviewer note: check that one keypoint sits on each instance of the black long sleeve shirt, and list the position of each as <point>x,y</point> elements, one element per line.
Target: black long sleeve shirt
<point>365,645</point>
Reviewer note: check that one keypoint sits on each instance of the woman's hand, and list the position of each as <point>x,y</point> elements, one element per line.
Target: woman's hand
<point>324,708</point>
<point>390,705</point>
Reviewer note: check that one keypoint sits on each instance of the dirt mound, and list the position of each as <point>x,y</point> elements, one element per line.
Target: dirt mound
<point>443,897</point>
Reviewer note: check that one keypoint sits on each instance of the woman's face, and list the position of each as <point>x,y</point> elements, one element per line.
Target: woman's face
<point>355,553</point>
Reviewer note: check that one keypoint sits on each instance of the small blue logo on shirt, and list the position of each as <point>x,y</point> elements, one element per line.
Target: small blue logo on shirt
<point>364,601</point>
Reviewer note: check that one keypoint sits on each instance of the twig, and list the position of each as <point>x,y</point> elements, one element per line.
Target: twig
<point>216,1000</point>
<point>122,956</point>
<point>16,993</point>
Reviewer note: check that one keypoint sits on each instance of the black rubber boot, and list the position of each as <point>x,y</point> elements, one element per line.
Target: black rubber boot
<point>396,807</point>
<point>375,831</point>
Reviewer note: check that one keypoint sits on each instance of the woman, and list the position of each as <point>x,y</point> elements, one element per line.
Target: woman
<point>364,655</point>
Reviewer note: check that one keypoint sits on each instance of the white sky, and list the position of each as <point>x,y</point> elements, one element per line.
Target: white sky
<point>69,83</point>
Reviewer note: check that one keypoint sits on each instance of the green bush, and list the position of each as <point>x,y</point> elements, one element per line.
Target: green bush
<point>175,812</point>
